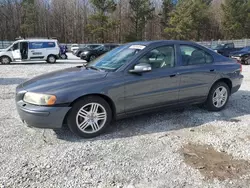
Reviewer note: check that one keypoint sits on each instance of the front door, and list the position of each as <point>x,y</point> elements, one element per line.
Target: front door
<point>197,74</point>
<point>16,51</point>
<point>156,88</point>
<point>36,50</point>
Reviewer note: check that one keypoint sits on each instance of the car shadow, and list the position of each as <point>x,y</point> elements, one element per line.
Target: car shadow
<point>169,120</point>
<point>11,81</point>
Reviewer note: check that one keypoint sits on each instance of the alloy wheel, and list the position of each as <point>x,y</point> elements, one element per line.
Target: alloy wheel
<point>5,60</point>
<point>220,97</point>
<point>91,118</point>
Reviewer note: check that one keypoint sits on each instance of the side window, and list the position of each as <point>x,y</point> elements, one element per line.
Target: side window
<point>35,45</point>
<point>162,57</point>
<point>194,56</point>
<point>16,46</point>
<point>49,44</point>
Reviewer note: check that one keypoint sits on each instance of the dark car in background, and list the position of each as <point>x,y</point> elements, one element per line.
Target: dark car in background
<point>131,79</point>
<point>226,49</point>
<point>85,47</point>
<point>243,55</point>
<point>91,54</point>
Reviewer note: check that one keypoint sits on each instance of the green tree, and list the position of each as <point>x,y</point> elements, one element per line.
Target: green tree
<point>141,12</point>
<point>167,8</point>
<point>236,18</point>
<point>28,18</point>
<point>100,20</point>
<point>189,21</point>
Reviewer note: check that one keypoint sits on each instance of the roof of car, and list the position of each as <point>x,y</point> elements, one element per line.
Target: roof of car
<point>147,43</point>
<point>36,40</point>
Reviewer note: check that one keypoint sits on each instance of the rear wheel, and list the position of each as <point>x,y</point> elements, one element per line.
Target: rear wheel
<point>51,59</point>
<point>218,97</point>
<point>5,60</point>
<point>64,56</point>
<point>89,117</point>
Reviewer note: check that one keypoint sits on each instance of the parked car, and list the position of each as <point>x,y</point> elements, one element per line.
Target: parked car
<point>226,49</point>
<point>132,79</point>
<point>31,50</point>
<point>74,48</point>
<point>91,54</point>
<point>243,55</point>
<point>85,48</point>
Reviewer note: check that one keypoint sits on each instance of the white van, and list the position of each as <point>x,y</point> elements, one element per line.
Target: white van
<point>31,50</point>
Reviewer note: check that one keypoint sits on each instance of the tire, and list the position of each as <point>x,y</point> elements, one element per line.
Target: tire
<point>84,123</point>
<point>91,58</point>
<point>215,98</point>
<point>5,60</point>
<point>247,62</point>
<point>64,56</point>
<point>51,59</point>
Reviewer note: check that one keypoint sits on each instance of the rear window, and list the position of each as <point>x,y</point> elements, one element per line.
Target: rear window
<point>37,45</point>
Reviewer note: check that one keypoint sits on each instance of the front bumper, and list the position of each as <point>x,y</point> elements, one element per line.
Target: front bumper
<point>40,116</point>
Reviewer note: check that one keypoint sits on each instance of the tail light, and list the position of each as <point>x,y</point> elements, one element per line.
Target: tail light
<point>238,61</point>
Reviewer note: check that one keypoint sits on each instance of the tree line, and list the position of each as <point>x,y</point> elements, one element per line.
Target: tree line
<point>94,21</point>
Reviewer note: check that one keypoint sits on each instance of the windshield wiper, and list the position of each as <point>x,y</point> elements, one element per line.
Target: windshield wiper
<point>92,67</point>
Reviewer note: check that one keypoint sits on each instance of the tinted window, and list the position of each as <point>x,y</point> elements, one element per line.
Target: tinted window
<point>117,57</point>
<point>37,45</point>
<point>194,56</point>
<point>49,45</point>
<point>162,57</point>
<point>16,46</point>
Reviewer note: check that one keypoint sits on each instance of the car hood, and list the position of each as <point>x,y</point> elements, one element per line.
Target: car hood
<point>55,81</point>
<point>3,50</point>
<point>239,53</point>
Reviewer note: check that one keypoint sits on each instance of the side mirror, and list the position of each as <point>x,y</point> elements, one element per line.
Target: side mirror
<point>141,67</point>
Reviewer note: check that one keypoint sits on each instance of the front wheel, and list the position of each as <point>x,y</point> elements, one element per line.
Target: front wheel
<point>218,97</point>
<point>247,62</point>
<point>5,60</point>
<point>92,58</point>
<point>89,117</point>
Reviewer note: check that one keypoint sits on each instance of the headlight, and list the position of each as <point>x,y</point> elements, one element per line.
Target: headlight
<point>39,99</point>
<point>85,53</point>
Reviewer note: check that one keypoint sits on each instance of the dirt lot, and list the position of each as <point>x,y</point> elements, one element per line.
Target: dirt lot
<point>194,148</point>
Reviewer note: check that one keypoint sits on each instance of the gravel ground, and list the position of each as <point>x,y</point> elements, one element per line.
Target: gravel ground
<point>143,151</point>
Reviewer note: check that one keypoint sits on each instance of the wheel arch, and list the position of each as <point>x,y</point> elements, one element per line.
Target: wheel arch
<point>11,59</point>
<point>105,97</point>
<point>226,81</point>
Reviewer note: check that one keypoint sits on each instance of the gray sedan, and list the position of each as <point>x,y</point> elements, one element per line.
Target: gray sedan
<point>134,78</point>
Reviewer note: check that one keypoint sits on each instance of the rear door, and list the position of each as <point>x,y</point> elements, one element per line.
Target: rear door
<point>197,74</point>
<point>156,88</point>
<point>36,51</point>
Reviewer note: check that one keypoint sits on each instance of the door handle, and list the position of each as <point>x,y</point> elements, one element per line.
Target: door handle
<point>32,51</point>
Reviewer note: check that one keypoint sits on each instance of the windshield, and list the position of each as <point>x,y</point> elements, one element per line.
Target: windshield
<point>99,47</point>
<point>220,46</point>
<point>9,46</point>
<point>117,57</point>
